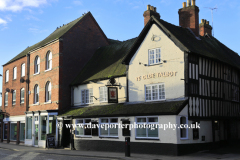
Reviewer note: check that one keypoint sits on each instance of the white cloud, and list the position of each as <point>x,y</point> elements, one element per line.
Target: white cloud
<point>18,5</point>
<point>77,2</point>
<point>2,21</point>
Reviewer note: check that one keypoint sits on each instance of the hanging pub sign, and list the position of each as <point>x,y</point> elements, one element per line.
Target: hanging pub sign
<point>112,95</point>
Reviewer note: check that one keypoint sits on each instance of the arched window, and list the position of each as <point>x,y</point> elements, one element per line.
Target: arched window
<point>15,73</point>
<point>23,70</point>
<point>37,65</point>
<point>36,94</point>
<point>6,99</point>
<point>7,76</point>
<point>22,95</point>
<point>48,91</point>
<point>49,60</point>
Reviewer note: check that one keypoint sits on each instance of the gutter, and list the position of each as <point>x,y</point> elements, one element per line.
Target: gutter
<point>28,81</point>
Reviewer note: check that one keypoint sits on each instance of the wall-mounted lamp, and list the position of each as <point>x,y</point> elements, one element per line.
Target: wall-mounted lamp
<point>140,63</point>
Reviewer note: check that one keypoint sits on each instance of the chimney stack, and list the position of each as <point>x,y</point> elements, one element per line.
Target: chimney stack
<point>188,16</point>
<point>151,11</point>
<point>204,27</point>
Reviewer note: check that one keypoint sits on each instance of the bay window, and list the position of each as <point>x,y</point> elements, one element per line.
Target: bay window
<point>155,92</point>
<point>109,127</point>
<point>147,127</point>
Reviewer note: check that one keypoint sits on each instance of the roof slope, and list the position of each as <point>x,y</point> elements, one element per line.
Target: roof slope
<point>160,108</point>
<point>186,41</point>
<point>55,35</point>
<point>106,62</point>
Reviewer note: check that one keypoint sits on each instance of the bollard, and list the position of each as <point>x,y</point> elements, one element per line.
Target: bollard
<point>127,146</point>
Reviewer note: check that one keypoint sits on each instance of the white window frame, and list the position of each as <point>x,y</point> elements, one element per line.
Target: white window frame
<point>146,123</point>
<point>7,76</point>
<point>151,86</point>
<point>109,123</point>
<point>48,94</point>
<point>87,94</point>
<point>83,124</point>
<point>14,97</point>
<point>23,70</point>
<point>49,60</point>
<point>154,56</point>
<point>6,99</point>
<point>15,73</point>
<point>36,94</point>
<point>103,95</point>
<point>183,128</point>
<point>22,96</point>
<point>37,65</point>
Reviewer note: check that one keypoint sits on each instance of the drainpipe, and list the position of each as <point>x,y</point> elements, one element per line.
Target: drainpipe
<point>127,68</point>
<point>28,81</point>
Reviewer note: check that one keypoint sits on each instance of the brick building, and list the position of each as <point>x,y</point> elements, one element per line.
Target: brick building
<point>36,81</point>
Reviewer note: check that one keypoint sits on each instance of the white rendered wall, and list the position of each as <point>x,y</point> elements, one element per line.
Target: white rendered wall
<point>174,86</point>
<point>96,93</point>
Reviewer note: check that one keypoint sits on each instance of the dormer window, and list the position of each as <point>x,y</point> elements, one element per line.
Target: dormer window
<point>154,56</point>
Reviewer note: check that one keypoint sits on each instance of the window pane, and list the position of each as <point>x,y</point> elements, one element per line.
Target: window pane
<point>161,91</point>
<point>103,132</point>
<point>87,96</point>
<point>141,131</point>
<point>148,92</point>
<point>113,130</point>
<point>158,56</point>
<point>141,119</point>
<point>104,120</point>
<point>151,56</point>
<point>154,119</point>
<point>13,132</point>
<point>83,96</point>
<point>29,128</point>
<point>43,127</point>
<point>152,131</point>
<point>52,125</point>
<point>154,92</point>
<point>87,130</point>
<point>114,120</point>
<point>22,131</point>
<point>87,120</point>
<point>80,130</point>
<point>5,131</point>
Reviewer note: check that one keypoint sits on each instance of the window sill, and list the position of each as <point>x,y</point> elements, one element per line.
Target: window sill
<point>36,73</point>
<point>109,137</point>
<point>36,104</point>
<point>184,139</point>
<point>83,136</point>
<point>49,102</point>
<point>48,70</point>
<point>14,79</point>
<point>148,65</point>
<point>156,139</point>
<point>6,82</point>
<point>13,105</point>
<point>156,100</point>
<point>22,103</point>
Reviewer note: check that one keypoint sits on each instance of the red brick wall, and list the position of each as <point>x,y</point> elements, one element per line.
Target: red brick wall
<point>78,46</point>
<point>18,109</point>
<point>43,77</point>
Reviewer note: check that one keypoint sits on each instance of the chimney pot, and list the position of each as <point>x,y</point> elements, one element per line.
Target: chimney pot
<point>148,7</point>
<point>193,2</point>
<point>152,8</point>
<point>155,9</point>
<point>184,4</point>
<point>202,20</point>
<point>188,3</point>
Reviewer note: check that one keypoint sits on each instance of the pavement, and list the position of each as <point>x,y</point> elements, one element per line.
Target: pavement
<point>228,153</point>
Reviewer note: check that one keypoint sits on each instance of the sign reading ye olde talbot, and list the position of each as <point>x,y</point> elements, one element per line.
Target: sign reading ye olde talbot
<point>156,75</point>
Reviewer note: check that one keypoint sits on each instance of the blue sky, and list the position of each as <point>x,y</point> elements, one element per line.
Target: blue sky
<point>26,22</point>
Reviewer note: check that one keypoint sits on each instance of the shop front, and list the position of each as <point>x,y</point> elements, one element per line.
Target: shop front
<point>38,125</point>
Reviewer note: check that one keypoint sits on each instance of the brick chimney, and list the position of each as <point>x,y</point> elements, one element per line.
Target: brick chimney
<point>188,16</point>
<point>204,28</point>
<point>151,11</point>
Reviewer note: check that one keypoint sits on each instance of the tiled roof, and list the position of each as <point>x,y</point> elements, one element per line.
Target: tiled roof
<point>55,35</point>
<point>207,46</point>
<point>106,62</point>
<point>157,108</point>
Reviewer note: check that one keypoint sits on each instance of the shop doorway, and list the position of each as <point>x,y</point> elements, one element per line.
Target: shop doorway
<point>36,132</point>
